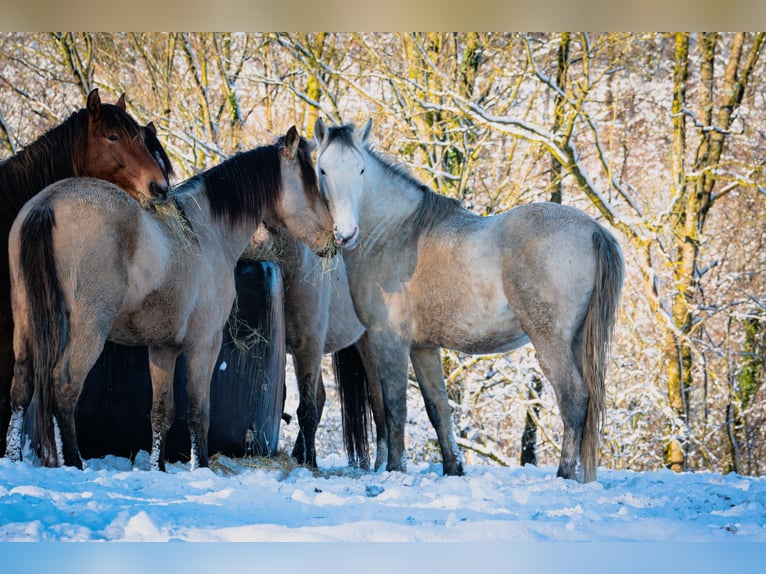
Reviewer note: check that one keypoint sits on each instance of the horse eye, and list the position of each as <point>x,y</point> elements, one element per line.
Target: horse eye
<point>361,172</point>
<point>322,171</point>
<point>113,137</point>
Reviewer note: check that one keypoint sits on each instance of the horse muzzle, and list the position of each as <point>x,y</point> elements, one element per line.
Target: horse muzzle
<point>158,192</point>
<point>346,241</point>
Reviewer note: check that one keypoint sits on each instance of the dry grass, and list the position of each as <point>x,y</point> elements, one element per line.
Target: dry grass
<point>243,335</point>
<point>175,223</point>
<point>281,463</point>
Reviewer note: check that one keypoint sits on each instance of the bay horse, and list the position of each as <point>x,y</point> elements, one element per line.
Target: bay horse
<point>425,273</point>
<point>320,320</point>
<point>110,270</point>
<point>100,140</point>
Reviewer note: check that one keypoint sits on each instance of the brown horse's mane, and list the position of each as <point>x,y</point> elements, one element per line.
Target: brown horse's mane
<point>51,157</point>
<point>249,183</point>
<point>433,208</point>
<point>158,152</point>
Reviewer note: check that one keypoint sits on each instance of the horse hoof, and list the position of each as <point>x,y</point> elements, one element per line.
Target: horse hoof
<point>453,469</point>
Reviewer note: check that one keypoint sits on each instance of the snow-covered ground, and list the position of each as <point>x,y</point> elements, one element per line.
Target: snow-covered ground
<point>254,500</point>
<point>261,500</point>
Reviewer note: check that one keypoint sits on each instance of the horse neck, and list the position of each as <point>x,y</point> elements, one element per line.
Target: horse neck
<point>44,161</point>
<point>224,237</point>
<point>389,201</point>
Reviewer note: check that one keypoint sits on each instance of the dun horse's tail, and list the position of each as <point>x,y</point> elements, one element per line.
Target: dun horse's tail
<point>351,381</point>
<point>598,329</point>
<point>48,319</point>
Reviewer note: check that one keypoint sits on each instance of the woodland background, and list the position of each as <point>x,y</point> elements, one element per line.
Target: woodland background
<point>661,136</point>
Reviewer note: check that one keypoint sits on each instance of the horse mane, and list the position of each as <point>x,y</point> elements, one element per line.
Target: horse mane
<point>434,207</point>
<point>159,154</point>
<point>52,156</point>
<point>249,183</point>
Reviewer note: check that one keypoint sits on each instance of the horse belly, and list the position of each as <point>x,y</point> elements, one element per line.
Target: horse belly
<point>484,333</point>
<point>153,323</point>
<point>470,325</point>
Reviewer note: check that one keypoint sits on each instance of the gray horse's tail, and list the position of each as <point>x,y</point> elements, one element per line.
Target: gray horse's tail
<point>48,319</point>
<point>598,330</point>
<point>351,380</point>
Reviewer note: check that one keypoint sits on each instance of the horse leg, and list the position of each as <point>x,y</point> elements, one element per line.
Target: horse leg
<point>68,377</point>
<point>6,378</point>
<point>6,348</point>
<point>560,368</point>
<point>428,369</point>
<point>20,396</point>
<point>307,362</point>
<point>376,401</point>
<point>201,362</point>
<point>162,366</point>
<point>390,354</point>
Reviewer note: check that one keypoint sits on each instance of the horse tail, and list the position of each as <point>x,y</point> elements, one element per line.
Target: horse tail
<point>598,330</point>
<point>351,381</point>
<point>48,319</point>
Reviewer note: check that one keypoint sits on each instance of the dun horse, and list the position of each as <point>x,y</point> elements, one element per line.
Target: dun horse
<point>109,269</point>
<point>101,141</point>
<point>424,273</point>
<point>320,319</point>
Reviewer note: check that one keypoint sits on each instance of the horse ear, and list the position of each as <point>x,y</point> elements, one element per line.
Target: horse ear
<point>151,129</point>
<point>121,102</point>
<point>94,105</point>
<point>365,134</point>
<point>292,139</point>
<point>320,132</point>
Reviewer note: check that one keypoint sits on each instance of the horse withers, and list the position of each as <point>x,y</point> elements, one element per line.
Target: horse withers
<point>100,140</point>
<point>425,273</point>
<point>110,270</point>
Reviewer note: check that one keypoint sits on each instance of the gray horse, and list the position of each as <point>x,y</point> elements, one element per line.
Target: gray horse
<point>320,319</point>
<point>425,273</point>
<point>88,264</point>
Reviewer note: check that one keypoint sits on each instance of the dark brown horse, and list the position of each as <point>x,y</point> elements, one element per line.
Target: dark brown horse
<point>89,265</point>
<point>101,141</point>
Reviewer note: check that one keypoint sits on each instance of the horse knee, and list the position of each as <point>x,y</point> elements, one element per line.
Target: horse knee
<point>21,386</point>
<point>308,415</point>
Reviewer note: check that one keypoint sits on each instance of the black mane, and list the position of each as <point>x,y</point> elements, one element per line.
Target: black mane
<point>159,154</point>
<point>249,183</point>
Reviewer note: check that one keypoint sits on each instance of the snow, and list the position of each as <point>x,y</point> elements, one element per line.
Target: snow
<point>505,516</point>
<point>274,500</point>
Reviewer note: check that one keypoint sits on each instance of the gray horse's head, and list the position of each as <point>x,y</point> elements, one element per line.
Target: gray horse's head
<point>342,163</point>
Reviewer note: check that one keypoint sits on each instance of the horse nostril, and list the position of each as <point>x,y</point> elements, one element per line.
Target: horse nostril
<point>344,240</point>
<point>158,190</point>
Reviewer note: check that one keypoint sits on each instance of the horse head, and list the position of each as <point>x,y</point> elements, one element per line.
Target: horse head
<point>342,170</point>
<point>301,209</point>
<point>123,152</point>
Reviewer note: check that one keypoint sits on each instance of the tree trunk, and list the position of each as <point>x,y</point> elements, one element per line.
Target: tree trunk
<point>693,198</point>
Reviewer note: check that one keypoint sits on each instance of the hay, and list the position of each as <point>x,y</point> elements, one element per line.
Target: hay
<point>266,245</point>
<point>174,221</point>
<point>244,337</point>
<point>281,462</point>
